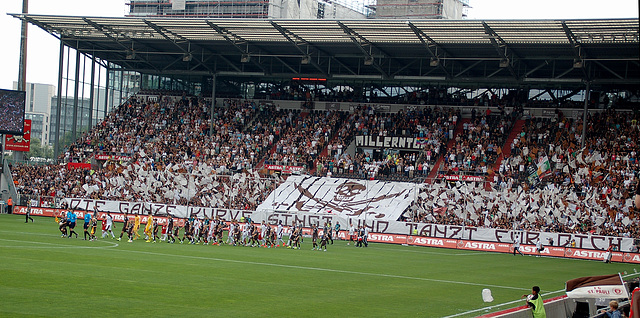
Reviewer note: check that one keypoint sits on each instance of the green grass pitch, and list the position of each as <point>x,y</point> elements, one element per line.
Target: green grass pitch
<point>42,274</point>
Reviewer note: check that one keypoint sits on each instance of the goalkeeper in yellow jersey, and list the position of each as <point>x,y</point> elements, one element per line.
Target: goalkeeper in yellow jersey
<point>136,227</point>
<point>148,229</point>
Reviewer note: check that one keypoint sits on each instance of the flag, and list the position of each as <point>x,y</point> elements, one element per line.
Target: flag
<point>441,210</point>
<point>606,286</point>
<point>544,167</point>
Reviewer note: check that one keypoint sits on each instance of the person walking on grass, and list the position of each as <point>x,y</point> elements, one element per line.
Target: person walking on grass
<point>125,226</point>
<point>28,214</point>
<point>108,226</point>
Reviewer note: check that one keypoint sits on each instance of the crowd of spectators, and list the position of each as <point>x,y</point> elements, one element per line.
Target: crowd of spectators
<point>432,127</point>
<point>478,146</point>
<point>594,182</point>
<point>166,155</point>
<point>549,209</point>
<point>312,91</point>
<point>170,157</point>
<point>306,137</point>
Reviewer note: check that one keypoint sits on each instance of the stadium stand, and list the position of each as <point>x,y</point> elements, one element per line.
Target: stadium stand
<point>162,152</point>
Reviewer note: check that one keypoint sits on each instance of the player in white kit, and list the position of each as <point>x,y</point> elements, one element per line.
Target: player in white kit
<point>108,228</point>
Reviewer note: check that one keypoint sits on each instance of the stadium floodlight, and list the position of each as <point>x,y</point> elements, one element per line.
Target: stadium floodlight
<point>130,55</point>
<point>305,60</point>
<point>187,57</point>
<point>434,62</point>
<point>577,63</point>
<point>368,60</point>
<point>245,58</point>
<point>504,63</point>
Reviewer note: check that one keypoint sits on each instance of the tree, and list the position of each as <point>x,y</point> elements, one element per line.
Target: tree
<point>39,151</point>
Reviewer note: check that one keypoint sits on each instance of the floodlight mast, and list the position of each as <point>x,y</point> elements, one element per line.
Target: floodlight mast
<point>22,66</point>
<point>22,69</point>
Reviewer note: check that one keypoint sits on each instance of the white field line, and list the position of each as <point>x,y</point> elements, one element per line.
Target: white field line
<point>428,252</point>
<point>290,266</point>
<point>325,269</point>
<point>55,245</point>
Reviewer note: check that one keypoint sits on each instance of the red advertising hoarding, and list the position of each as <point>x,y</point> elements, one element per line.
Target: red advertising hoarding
<point>285,169</point>
<point>432,242</point>
<point>552,251</point>
<point>19,143</point>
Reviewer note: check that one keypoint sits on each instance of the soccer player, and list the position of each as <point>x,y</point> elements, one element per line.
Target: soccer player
<point>279,233</point>
<point>323,241</point>
<point>263,233</point>
<point>155,230</point>
<point>365,236</point>
<point>231,237</point>
<point>62,224</point>
<point>314,237</point>
<point>360,236</point>
<point>255,236</point>
<point>272,236</point>
<point>136,226</point>
<point>516,247</point>
<point>337,231</point>
<point>108,225</point>
<point>295,238</point>
<point>539,247</point>
<point>71,222</point>
<point>85,226</point>
<point>130,234</point>
<point>212,231</point>
<point>352,232</point>
<point>188,231</point>
<point>221,225</point>
<point>196,231</point>
<point>170,225</point>
<point>176,231</point>
<point>149,228</point>
<point>327,229</point>
<point>93,224</point>
<point>125,226</point>
<point>245,234</point>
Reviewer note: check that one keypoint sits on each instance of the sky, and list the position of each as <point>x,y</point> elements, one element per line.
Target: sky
<point>42,48</point>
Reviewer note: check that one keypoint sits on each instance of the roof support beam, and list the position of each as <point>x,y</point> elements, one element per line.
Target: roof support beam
<point>164,33</point>
<point>107,31</point>
<point>290,36</point>
<point>356,39</point>
<point>609,70</point>
<point>577,48</point>
<point>227,36</point>
<point>501,47</point>
<point>286,65</point>
<point>541,65</point>
<point>468,68</point>
<point>428,43</point>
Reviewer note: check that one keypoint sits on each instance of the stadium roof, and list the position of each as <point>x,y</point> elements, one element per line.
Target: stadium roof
<point>506,53</point>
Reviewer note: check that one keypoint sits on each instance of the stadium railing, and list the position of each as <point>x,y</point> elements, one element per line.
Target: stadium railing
<point>40,201</point>
<point>9,179</point>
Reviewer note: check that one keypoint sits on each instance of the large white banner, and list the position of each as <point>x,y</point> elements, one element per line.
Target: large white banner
<point>347,198</point>
<point>375,225</point>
